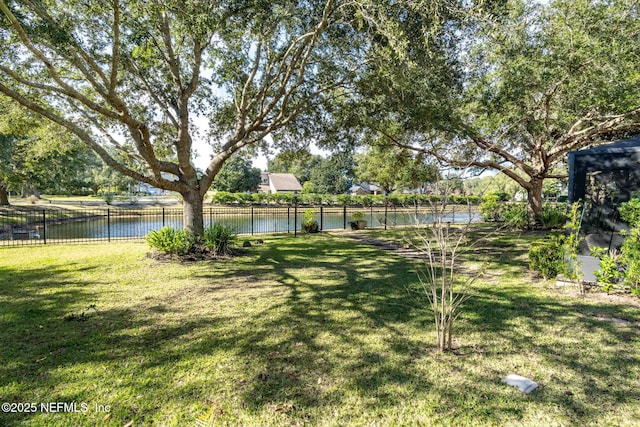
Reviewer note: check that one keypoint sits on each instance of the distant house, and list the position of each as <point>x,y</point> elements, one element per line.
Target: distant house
<point>364,188</point>
<point>278,183</point>
<point>150,190</point>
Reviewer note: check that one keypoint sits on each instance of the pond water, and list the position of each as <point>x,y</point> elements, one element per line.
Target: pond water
<point>120,225</point>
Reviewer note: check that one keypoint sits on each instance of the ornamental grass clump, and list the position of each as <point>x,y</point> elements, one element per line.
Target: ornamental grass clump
<point>170,241</point>
<point>218,238</point>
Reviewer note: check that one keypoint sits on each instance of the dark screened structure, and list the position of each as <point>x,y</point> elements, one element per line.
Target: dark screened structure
<point>604,177</point>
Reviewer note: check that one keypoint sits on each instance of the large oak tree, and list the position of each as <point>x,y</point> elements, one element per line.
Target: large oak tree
<point>130,77</point>
<point>521,86</point>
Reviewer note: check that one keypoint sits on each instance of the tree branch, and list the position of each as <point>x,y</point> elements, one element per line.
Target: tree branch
<point>88,140</point>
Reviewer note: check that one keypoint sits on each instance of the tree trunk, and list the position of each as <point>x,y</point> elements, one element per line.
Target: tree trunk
<point>534,199</point>
<point>4,196</point>
<point>29,190</point>
<point>192,215</point>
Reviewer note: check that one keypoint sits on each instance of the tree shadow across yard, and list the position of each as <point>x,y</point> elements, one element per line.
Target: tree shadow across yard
<point>317,330</point>
<point>339,328</point>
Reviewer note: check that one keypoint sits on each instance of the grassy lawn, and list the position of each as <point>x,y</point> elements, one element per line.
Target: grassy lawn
<point>318,330</point>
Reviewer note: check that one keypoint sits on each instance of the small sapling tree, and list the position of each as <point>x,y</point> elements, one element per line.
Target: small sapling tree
<point>442,279</point>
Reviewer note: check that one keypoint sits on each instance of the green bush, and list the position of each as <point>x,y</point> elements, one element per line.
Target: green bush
<point>344,199</point>
<point>625,267</point>
<point>224,198</point>
<point>311,199</point>
<point>358,216</point>
<point>569,250</point>
<point>502,196</point>
<point>491,208</point>
<point>259,198</point>
<point>547,256</point>
<point>630,258</point>
<point>109,197</point>
<point>309,224</point>
<point>366,200</point>
<point>630,212</point>
<point>246,198</point>
<point>218,238</point>
<point>609,274</point>
<point>516,215</point>
<point>171,241</point>
<point>552,216</point>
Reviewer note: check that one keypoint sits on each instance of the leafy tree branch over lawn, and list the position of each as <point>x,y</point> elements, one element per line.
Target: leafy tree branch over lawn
<point>131,77</point>
<point>317,330</point>
<point>516,91</point>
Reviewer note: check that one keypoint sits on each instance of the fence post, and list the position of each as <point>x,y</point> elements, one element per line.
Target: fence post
<point>108,225</point>
<point>162,217</point>
<point>386,208</point>
<point>210,218</point>
<point>44,225</point>
<point>344,216</point>
<point>288,219</point>
<point>252,220</point>
<point>321,218</point>
<point>453,213</point>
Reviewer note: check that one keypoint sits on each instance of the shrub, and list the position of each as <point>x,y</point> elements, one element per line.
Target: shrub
<point>516,215</point>
<point>311,198</point>
<point>569,251</point>
<point>502,196</point>
<point>547,256</point>
<point>552,216</point>
<point>344,199</point>
<point>309,224</point>
<point>109,197</point>
<point>624,267</point>
<point>490,208</point>
<point>358,216</point>
<point>223,198</point>
<point>169,240</point>
<point>609,274</point>
<point>396,199</point>
<point>366,200</point>
<point>245,198</point>
<point>218,238</point>
<point>259,198</point>
<point>630,212</point>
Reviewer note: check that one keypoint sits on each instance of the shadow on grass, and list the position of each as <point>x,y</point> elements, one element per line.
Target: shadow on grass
<point>310,325</point>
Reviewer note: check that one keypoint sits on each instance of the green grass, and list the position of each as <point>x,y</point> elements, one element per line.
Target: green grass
<point>318,330</point>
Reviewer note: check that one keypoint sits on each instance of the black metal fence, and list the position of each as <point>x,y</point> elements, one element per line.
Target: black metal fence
<point>24,226</point>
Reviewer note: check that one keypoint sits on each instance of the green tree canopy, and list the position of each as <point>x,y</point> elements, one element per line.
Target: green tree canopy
<point>391,167</point>
<point>334,174</point>
<point>526,86</point>
<point>298,162</point>
<point>38,155</point>
<point>237,176</point>
<point>128,78</point>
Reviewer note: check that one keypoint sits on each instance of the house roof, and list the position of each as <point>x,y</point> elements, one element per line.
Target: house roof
<point>365,186</point>
<point>284,182</point>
